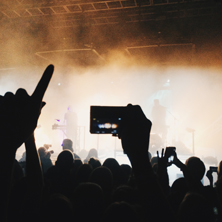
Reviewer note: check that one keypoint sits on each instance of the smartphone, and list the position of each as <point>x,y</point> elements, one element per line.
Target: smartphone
<point>170,159</point>
<point>106,119</point>
<point>213,168</point>
<point>171,153</point>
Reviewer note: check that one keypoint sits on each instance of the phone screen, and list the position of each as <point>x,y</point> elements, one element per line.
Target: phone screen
<point>105,125</point>
<point>106,119</point>
<point>170,159</point>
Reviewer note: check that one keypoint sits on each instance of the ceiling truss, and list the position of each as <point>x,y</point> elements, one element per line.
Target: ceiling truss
<point>59,14</point>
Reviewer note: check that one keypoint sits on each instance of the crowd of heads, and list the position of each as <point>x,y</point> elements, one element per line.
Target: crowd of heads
<point>88,189</point>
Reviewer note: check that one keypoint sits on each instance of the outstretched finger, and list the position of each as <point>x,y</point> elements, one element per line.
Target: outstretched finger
<point>43,84</point>
<point>162,152</point>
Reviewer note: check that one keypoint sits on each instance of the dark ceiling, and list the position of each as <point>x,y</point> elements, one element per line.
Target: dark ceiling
<point>85,32</point>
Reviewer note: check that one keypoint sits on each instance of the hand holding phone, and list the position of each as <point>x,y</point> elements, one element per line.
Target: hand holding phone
<point>213,169</point>
<point>129,123</point>
<point>135,133</point>
<point>170,153</point>
<point>166,159</point>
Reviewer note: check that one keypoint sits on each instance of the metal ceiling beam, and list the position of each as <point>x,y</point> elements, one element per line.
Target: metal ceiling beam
<point>81,6</point>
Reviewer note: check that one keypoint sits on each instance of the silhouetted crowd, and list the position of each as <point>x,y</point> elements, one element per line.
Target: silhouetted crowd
<point>72,189</point>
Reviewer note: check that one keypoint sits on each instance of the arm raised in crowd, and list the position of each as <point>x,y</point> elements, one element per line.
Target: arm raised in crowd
<point>191,173</point>
<point>134,135</point>
<point>19,114</point>
<point>163,163</point>
<point>33,165</point>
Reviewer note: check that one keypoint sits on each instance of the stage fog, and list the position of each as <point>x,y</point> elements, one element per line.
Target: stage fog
<point>192,98</point>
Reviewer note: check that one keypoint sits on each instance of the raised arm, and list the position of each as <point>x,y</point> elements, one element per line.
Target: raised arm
<point>33,165</point>
<point>19,114</point>
<point>134,135</point>
<point>163,163</point>
<point>194,184</point>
